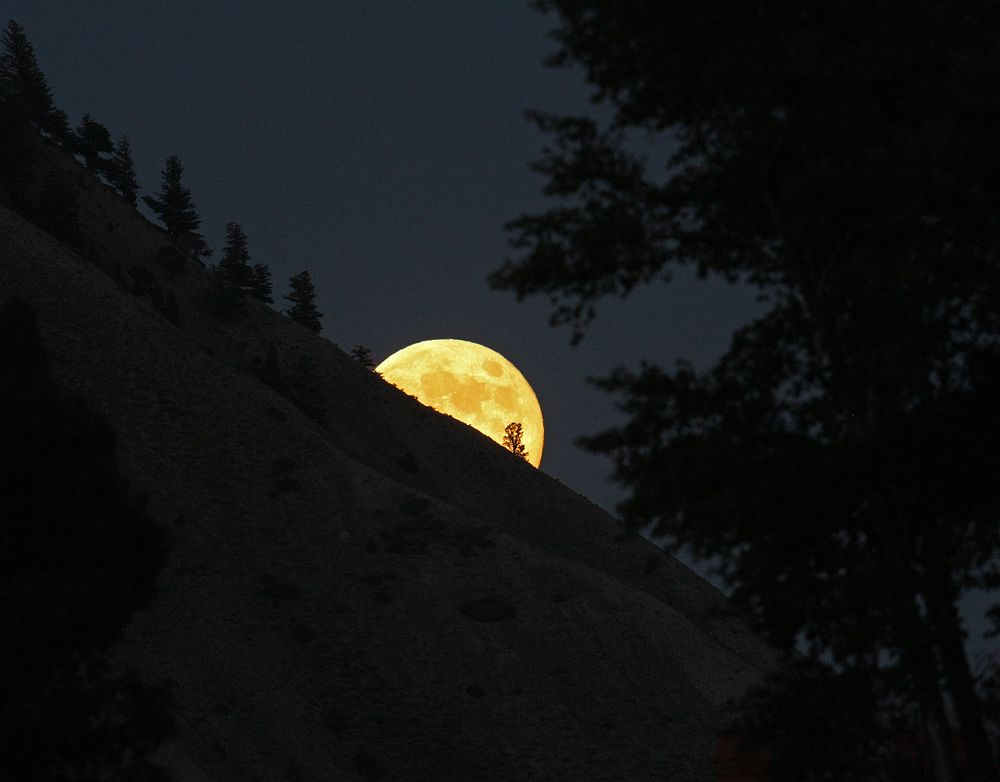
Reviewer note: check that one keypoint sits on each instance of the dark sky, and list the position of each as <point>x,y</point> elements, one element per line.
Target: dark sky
<point>382,146</point>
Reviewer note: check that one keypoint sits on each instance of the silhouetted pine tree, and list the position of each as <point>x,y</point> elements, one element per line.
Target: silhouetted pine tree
<point>261,282</point>
<point>362,355</point>
<point>24,87</point>
<point>303,298</point>
<point>122,171</point>
<point>78,555</point>
<point>513,435</point>
<point>176,209</point>
<point>235,256</point>
<point>93,140</point>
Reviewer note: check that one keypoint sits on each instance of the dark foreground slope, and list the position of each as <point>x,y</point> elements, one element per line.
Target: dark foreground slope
<point>388,596</point>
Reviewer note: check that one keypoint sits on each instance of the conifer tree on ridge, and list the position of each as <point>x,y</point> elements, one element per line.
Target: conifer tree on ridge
<point>176,209</point>
<point>122,171</point>
<point>92,141</point>
<point>235,258</point>
<point>261,282</point>
<point>24,88</point>
<point>303,298</point>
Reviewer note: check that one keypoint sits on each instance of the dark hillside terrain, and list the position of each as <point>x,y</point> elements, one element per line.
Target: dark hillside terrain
<point>359,587</point>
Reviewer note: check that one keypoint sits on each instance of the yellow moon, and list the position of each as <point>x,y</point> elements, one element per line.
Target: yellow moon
<point>472,383</point>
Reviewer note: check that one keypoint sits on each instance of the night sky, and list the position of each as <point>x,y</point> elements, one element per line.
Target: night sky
<point>382,146</point>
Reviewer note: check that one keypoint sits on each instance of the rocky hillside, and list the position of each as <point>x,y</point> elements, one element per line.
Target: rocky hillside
<point>373,591</point>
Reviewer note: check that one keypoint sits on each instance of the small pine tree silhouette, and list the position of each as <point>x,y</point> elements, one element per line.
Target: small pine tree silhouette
<point>513,436</point>
<point>235,257</point>
<point>24,87</point>
<point>122,171</point>
<point>260,281</point>
<point>363,356</point>
<point>92,141</point>
<point>176,209</point>
<point>303,298</point>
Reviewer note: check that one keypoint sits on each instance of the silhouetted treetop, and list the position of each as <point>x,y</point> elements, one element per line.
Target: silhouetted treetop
<point>303,298</point>
<point>122,171</point>
<point>362,355</point>
<point>235,258</point>
<point>175,208</point>
<point>513,437</point>
<point>93,140</point>
<point>261,283</point>
<point>23,86</point>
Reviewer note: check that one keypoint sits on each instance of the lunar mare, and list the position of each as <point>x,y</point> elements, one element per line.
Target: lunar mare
<point>472,383</point>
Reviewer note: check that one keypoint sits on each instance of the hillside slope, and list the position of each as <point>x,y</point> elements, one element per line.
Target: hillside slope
<point>386,596</point>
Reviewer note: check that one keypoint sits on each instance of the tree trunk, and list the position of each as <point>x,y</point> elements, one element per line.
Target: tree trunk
<point>920,664</point>
<point>947,628</point>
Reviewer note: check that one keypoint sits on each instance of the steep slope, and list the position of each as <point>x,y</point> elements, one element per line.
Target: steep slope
<point>388,596</point>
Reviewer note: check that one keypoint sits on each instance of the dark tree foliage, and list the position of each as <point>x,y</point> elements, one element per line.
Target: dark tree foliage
<point>836,459</point>
<point>24,88</point>
<point>78,555</point>
<point>122,171</point>
<point>176,209</point>
<point>93,141</point>
<point>513,436</point>
<point>363,356</point>
<point>260,282</point>
<point>235,258</point>
<point>303,299</point>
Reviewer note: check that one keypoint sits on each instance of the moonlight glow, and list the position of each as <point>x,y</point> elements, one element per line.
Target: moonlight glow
<point>472,383</point>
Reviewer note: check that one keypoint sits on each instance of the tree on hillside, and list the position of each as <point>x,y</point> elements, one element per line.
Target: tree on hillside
<point>176,210</point>
<point>363,356</point>
<point>79,555</point>
<point>303,298</point>
<point>513,437</point>
<point>260,282</point>
<point>92,140</point>
<point>836,459</point>
<point>235,257</point>
<point>122,171</point>
<point>24,88</point>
